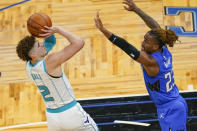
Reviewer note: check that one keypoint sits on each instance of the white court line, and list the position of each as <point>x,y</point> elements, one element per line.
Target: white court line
<point>106,97</point>
<point>131,123</point>
<point>23,125</point>
<point>120,96</point>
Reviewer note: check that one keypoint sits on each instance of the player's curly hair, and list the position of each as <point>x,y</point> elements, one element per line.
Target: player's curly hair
<point>164,37</point>
<point>24,46</point>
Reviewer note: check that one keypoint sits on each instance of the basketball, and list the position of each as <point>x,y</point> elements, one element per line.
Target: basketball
<point>36,22</point>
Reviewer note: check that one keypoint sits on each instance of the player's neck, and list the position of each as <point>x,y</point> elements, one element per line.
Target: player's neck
<point>34,61</point>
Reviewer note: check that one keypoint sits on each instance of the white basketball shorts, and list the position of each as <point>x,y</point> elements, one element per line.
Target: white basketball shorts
<point>72,119</point>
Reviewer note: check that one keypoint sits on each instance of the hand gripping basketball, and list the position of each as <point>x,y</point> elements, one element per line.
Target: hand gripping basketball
<point>37,22</point>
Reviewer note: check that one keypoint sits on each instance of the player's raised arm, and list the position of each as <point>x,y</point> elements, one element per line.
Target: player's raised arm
<point>56,59</point>
<point>131,6</point>
<point>99,25</point>
<point>140,56</point>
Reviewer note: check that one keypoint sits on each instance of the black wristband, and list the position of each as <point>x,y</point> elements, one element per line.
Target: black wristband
<point>125,46</point>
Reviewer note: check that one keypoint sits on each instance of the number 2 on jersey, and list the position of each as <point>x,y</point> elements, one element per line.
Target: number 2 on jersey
<point>170,82</point>
<point>45,92</point>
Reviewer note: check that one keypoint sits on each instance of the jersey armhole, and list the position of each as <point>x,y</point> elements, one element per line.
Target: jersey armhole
<point>45,70</point>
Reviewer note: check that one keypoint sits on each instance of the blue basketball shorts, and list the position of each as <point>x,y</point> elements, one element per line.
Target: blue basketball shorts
<point>173,116</point>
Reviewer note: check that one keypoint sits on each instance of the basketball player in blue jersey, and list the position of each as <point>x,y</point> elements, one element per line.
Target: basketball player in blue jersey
<point>63,113</point>
<point>156,63</point>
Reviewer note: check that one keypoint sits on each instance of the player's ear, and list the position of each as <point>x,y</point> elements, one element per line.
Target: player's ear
<point>32,54</point>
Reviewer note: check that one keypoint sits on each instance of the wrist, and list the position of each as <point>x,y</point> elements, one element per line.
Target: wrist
<point>136,9</point>
<point>56,29</point>
<point>102,29</point>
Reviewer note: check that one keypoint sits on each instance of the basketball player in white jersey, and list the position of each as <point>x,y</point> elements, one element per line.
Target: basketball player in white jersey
<point>63,112</point>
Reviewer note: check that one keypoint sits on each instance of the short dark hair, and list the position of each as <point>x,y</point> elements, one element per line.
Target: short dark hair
<point>24,46</point>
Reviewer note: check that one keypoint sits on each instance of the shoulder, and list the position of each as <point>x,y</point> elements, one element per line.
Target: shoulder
<point>50,59</point>
<point>51,65</point>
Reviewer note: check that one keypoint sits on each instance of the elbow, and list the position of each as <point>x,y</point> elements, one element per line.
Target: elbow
<point>78,44</point>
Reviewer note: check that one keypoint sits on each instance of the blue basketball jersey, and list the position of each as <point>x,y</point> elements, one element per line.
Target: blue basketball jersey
<point>162,88</point>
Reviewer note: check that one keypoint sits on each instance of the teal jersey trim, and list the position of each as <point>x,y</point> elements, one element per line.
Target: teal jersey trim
<point>63,108</point>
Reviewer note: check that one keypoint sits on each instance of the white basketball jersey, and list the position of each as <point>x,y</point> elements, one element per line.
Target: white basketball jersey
<point>56,92</point>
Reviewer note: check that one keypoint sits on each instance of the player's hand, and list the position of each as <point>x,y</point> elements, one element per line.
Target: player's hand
<point>48,31</point>
<point>129,5</point>
<point>98,22</point>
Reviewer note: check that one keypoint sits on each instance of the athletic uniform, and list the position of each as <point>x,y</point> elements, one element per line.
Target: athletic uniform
<point>63,113</point>
<point>171,107</point>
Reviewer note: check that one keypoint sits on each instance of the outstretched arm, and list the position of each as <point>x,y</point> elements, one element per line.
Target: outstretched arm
<point>142,57</point>
<point>121,43</point>
<point>131,6</point>
<point>100,26</point>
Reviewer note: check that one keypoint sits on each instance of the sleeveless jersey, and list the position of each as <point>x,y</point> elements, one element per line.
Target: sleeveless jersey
<point>162,88</point>
<point>56,92</point>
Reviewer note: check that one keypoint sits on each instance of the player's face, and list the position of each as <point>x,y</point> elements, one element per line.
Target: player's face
<point>149,45</point>
<point>39,49</point>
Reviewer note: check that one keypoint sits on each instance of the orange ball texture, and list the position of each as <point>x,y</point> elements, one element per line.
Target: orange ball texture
<point>36,22</point>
